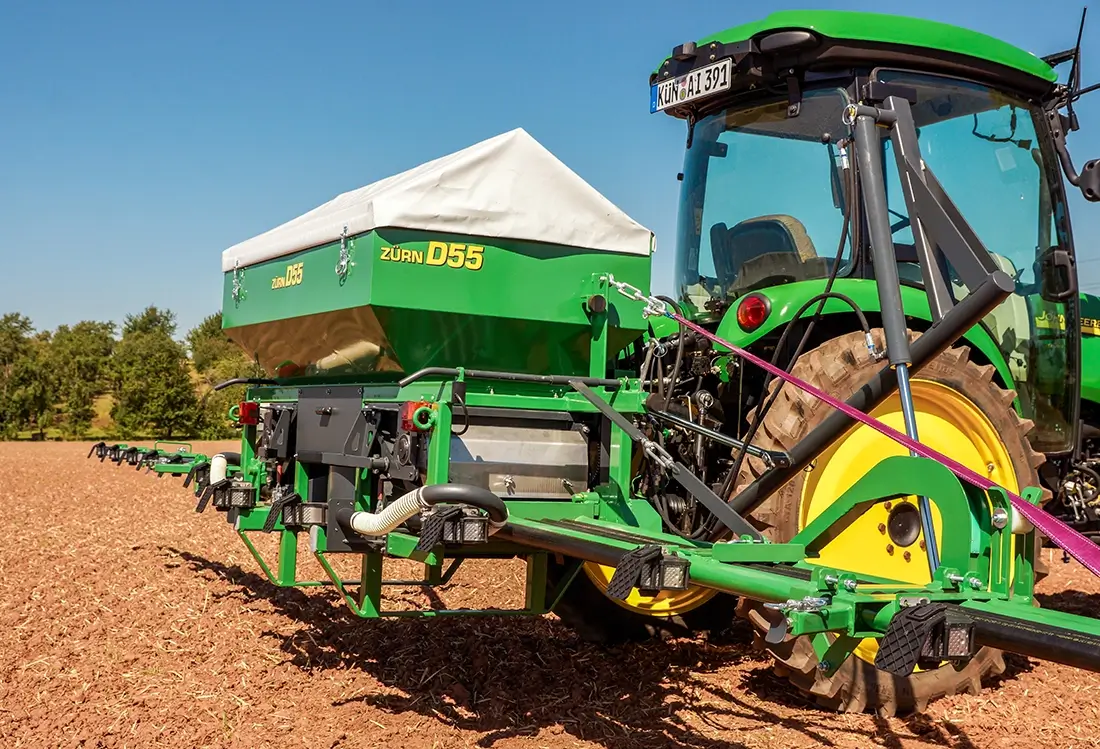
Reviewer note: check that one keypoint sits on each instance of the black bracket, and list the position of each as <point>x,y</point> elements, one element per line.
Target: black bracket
<point>234,495</point>
<point>304,514</point>
<point>431,532</point>
<point>363,432</point>
<point>925,635</point>
<point>200,474</point>
<point>339,538</point>
<point>208,492</point>
<point>276,509</point>
<point>452,524</point>
<point>279,439</point>
<point>648,568</point>
<point>794,96</point>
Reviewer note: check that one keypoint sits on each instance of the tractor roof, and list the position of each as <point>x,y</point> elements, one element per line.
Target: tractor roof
<point>847,38</point>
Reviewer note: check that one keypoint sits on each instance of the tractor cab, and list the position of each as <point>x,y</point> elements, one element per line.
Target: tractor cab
<point>769,197</point>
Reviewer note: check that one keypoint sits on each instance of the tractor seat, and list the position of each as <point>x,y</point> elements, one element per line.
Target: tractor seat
<point>777,234</point>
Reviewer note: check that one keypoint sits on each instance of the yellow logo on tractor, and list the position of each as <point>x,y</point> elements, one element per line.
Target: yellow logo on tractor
<point>451,254</point>
<point>292,277</point>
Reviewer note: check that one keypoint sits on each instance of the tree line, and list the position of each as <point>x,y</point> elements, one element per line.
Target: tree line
<point>157,386</point>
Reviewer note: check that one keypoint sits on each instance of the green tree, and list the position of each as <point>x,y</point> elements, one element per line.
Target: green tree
<point>210,346</point>
<point>80,357</point>
<point>27,386</point>
<point>218,359</point>
<point>150,320</point>
<point>15,334</point>
<point>154,393</point>
<point>33,387</point>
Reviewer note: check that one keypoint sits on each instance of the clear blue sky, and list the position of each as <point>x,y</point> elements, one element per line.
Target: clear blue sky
<point>140,139</point>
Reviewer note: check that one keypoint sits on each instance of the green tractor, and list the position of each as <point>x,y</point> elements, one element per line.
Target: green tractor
<point>773,253</point>
<point>464,362</point>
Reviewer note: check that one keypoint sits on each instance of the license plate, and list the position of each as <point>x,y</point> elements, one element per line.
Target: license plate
<point>705,81</point>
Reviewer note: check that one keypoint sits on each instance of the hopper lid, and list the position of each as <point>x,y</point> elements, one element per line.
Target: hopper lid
<point>506,187</point>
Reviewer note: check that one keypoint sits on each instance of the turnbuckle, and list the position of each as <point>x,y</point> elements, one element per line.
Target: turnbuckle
<point>653,307</point>
<point>658,454</point>
<point>809,603</point>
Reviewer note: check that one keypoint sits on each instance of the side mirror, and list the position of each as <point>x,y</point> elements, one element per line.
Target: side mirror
<point>1059,277</point>
<point>1090,181</point>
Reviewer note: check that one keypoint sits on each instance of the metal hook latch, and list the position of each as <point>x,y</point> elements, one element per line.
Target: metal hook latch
<point>238,281</point>
<point>345,255</point>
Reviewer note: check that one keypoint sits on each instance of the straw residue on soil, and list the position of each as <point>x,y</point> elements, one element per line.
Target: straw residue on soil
<point>126,620</point>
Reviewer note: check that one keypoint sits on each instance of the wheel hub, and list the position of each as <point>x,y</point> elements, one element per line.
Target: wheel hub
<point>903,525</point>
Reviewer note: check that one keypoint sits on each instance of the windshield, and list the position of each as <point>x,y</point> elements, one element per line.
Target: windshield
<point>762,199</point>
<point>984,148</point>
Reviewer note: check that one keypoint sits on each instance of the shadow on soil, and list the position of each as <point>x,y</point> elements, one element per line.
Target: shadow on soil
<point>506,677</point>
<point>1070,602</point>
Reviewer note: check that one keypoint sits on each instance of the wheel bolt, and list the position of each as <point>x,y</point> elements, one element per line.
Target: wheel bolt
<point>907,556</point>
<point>922,546</point>
<point>887,505</point>
<point>882,527</point>
<point>889,548</point>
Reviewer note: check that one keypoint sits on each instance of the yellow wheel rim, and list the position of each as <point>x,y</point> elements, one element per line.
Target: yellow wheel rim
<point>666,603</point>
<point>947,421</point>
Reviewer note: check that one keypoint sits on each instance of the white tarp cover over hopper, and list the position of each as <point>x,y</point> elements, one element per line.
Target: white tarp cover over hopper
<point>506,187</point>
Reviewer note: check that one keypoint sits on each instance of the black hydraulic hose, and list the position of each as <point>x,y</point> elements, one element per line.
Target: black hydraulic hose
<point>483,374</point>
<point>244,381</point>
<point>1048,642</point>
<point>474,496</point>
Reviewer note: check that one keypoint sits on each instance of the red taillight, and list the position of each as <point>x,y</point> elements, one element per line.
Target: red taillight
<point>411,420</point>
<point>248,413</point>
<point>752,311</point>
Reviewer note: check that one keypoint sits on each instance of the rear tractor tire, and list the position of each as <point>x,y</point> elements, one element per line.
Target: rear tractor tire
<point>961,412</point>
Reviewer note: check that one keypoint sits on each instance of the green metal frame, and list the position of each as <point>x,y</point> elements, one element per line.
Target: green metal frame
<point>982,566</point>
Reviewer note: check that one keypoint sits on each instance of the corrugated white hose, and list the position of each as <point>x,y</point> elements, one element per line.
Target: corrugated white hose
<point>381,523</point>
<point>219,468</point>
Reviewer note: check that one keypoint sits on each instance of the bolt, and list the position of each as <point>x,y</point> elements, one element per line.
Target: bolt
<point>922,545</point>
<point>889,548</point>
<point>824,666</point>
<point>975,583</point>
<point>850,585</point>
<point>989,467</point>
<point>882,528</point>
<point>887,505</point>
<point>1000,518</point>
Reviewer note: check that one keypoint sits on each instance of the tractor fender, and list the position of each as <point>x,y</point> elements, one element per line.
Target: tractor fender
<point>785,301</point>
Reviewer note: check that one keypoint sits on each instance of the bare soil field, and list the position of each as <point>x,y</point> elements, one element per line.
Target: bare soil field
<point>126,620</point>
